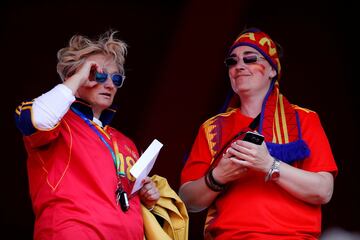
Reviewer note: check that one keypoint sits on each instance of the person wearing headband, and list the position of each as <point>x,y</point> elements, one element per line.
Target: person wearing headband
<point>78,165</point>
<point>270,189</point>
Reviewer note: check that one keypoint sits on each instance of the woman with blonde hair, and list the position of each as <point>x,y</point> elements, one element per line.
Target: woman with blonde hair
<point>78,165</point>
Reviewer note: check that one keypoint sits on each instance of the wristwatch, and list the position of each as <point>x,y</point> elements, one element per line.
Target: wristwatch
<point>274,171</point>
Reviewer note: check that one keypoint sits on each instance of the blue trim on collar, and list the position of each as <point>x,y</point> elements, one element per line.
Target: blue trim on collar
<point>85,108</point>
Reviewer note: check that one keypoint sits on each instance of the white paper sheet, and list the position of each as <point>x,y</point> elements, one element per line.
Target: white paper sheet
<point>144,164</point>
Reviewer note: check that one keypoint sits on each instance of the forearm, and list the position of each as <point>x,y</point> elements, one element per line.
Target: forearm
<point>196,195</point>
<point>311,187</point>
<point>73,83</point>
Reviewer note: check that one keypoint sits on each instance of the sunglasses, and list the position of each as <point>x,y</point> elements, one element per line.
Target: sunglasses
<point>248,59</point>
<point>117,78</point>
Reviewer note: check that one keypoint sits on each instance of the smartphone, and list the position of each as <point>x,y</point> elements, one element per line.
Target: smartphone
<point>253,137</point>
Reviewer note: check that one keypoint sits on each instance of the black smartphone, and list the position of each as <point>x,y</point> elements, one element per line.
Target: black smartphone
<point>253,137</point>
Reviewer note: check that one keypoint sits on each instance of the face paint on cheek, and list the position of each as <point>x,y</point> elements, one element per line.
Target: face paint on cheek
<point>259,68</point>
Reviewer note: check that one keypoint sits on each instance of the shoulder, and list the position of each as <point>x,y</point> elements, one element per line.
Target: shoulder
<point>223,116</point>
<point>304,112</point>
<point>302,109</point>
<point>307,116</point>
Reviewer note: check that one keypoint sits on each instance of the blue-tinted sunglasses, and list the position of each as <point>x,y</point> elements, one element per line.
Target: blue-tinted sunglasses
<point>117,78</point>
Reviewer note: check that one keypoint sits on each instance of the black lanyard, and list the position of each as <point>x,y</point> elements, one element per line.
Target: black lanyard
<point>253,125</point>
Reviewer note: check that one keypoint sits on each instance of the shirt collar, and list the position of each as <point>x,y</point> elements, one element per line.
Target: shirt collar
<point>85,108</point>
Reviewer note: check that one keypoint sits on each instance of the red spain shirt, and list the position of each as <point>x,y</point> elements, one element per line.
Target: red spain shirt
<point>251,208</point>
<point>73,180</point>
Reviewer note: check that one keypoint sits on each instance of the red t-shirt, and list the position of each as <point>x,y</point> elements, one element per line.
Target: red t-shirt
<point>73,180</point>
<point>251,208</point>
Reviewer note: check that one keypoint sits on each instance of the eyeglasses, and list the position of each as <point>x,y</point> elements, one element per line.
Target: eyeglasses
<point>248,59</point>
<point>117,78</point>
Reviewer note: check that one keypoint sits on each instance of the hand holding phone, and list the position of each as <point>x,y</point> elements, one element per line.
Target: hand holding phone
<point>253,137</point>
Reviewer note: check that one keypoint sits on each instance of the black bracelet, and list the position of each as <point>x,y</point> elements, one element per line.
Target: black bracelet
<point>212,183</point>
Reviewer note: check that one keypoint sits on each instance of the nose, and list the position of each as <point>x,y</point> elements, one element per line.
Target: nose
<point>240,63</point>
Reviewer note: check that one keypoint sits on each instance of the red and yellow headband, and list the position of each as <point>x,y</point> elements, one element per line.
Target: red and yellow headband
<point>261,42</point>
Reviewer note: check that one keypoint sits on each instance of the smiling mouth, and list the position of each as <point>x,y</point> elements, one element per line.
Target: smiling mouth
<point>243,75</point>
<point>106,94</point>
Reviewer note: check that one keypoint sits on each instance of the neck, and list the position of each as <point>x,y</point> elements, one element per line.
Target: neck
<point>97,113</point>
<point>251,106</point>
<point>250,112</point>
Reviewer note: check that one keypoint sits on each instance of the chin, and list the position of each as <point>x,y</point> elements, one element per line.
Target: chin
<point>105,104</point>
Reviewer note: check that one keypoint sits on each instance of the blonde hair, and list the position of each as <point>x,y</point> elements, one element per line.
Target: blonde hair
<point>81,47</point>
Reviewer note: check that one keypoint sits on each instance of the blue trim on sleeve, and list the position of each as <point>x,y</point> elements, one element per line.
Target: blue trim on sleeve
<point>23,118</point>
